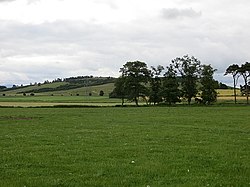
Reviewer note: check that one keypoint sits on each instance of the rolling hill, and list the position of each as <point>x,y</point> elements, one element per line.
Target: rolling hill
<point>69,86</point>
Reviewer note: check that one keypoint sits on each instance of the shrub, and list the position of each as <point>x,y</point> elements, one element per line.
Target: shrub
<point>101,93</point>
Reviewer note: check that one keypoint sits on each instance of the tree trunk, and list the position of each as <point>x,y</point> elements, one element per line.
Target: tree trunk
<point>136,101</point>
<point>122,101</point>
<point>247,90</point>
<point>189,101</point>
<point>246,87</point>
<point>235,91</point>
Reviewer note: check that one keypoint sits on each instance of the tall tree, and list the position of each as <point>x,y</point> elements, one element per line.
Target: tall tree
<point>155,84</point>
<point>244,71</point>
<point>120,89</point>
<point>208,92</point>
<point>136,75</point>
<point>170,90</point>
<point>234,70</point>
<point>189,69</point>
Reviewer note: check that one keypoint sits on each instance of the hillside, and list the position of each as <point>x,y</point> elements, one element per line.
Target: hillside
<point>69,86</point>
<point>81,85</point>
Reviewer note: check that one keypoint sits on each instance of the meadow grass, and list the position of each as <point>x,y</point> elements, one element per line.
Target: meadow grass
<point>48,100</point>
<point>145,146</point>
<point>69,97</point>
<point>38,101</point>
<point>60,99</point>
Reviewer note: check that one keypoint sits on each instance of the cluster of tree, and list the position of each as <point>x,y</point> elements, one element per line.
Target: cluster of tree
<point>80,80</point>
<point>47,89</point>
<point>184,78</point>
<point>89,80</point>
<point>2,87</point>
<point>243,71</point>
<point>221,85</point>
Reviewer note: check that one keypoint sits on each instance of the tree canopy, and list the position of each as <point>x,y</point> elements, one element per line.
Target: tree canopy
<point>240,71</point>
<point>135,75</point>
<point>189,69</point>
<point>233,70</point>
<point>167,85</point>
<point>208,92</point>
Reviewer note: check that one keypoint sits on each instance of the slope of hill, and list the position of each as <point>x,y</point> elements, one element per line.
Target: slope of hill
<point>69,86</point>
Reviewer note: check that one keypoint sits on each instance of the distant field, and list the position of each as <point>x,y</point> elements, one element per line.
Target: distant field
<point>145,146</point>
<point>33,101</point>
<point>59,99</point>
<point>69,97</point>
<point>228,92</point>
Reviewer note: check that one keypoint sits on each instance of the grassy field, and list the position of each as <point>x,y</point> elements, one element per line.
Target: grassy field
<point>69,97</point>
<point>34,101</point>
<point>59,99</point>
<point>80,96</point>
<point>145,146</point>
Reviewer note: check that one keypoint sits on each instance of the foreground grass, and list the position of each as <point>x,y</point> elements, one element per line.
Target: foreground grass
<point>177,146</point>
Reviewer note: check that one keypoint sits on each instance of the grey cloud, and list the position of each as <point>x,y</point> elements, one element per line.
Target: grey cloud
<point>110,3</point>
<point>32,1</point>
<point>28,1</point>
<point>76,45</point>
<point>6,1</point>
<point>101,49</point>
<point>174,13</point>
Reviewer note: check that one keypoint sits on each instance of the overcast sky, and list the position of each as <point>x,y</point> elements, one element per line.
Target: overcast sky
<point>46,39</point>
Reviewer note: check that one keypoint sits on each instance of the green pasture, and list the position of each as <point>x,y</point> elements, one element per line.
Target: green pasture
<point>69,97</point>
<point>34,101</point>
<point>60,99</point>
<point>145,146</point>
<point>80,96</point>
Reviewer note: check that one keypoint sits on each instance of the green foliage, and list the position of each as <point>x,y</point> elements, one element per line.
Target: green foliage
<point>233,69</point>
<point>244,71</point>
<point>101,93</point>
<point>208,92</point>
<point>133,82</point>
<point>222,86</point>
<point>237,71</point>
<point>170,91</point>
<point>119,90</point>
<point>89,80</point>
<point>2,87</point>
<point>173,146</point>
<point>189,69</point>
<point>135,76</point>
<point>156,85</point>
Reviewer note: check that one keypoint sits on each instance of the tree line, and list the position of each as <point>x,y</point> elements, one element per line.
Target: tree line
<point>238,71</point>
<point>184,78</point>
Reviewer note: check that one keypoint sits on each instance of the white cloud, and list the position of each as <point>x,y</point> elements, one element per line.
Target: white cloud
<point>51,38</point>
